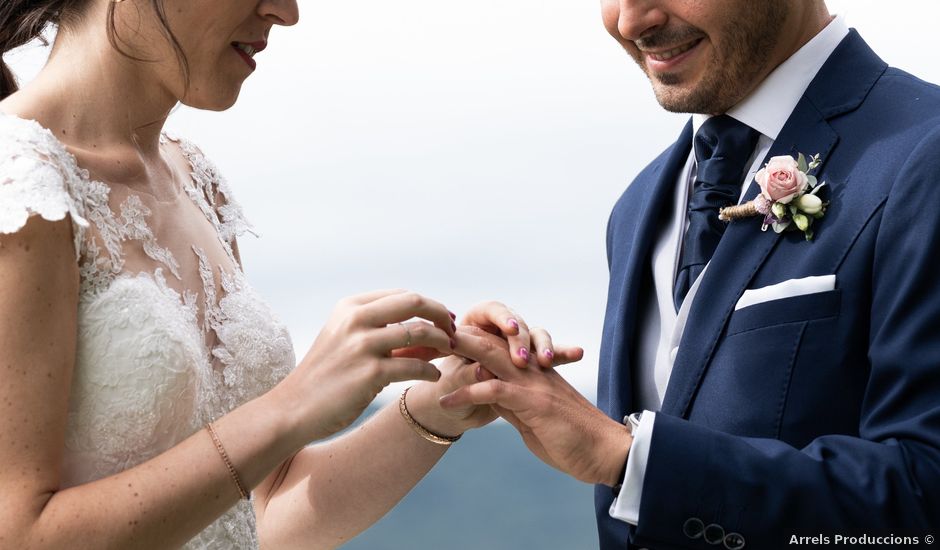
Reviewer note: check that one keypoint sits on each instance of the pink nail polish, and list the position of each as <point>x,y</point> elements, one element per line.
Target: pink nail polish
<point>479,373</point>
<point>453,327</point>
<point>514,324</point>
<point>550,354</point>
<point>453,343</point>
<point>452,315</point>
<point>524,353</point>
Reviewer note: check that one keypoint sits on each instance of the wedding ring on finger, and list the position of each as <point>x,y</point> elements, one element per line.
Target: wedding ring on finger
<point>407,335</point>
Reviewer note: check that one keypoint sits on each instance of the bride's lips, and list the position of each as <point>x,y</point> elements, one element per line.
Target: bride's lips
<point>247,50</point>
<point>670,59</point>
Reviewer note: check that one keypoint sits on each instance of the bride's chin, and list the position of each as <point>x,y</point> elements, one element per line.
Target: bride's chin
<point>214,102</point>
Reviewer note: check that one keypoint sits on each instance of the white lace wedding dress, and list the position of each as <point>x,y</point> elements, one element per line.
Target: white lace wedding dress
<point>170,334</point>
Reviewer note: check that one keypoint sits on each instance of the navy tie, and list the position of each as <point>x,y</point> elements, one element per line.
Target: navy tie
<point>722,147</point>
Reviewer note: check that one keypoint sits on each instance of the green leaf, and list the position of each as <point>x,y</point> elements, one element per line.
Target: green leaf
<point>820,214</point>
<point>809,233</point>
<point>793,209</point>
<point>812,181</point>
<point>801,163</point>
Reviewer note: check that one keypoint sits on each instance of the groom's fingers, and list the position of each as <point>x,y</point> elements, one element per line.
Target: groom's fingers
<point>498,392</point>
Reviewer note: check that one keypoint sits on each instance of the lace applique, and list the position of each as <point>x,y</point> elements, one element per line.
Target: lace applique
<point>96,272</point>
<point>133,213</point>
<point>36,180</point>
<point>254,349</point>
<point>211,315</point>
<point>236,529</point>
<point>227,215</point>
<point>97,269</point>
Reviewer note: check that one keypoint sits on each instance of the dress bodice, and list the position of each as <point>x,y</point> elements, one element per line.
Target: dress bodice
<point>170,333</point>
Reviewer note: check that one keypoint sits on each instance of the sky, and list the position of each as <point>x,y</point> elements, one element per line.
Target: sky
<point>468,151</point>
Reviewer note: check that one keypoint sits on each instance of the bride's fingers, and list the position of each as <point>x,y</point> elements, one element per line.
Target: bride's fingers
<point>399,307</point>
<point>490,315</point>
<point>419,352</point>
<point>567,354</point>
<point>519,345</point>
<point>374,295</point>
<point>481,374</point>
<point>491,351</point>
<point>401,370</point>
<point>542,347</point>
<point>416,334</point>
<point>465,372</point>
<point>507,323</point>
<point>493,317</point>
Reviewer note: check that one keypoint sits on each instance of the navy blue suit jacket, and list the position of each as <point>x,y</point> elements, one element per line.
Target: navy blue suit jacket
<point>813,412</point>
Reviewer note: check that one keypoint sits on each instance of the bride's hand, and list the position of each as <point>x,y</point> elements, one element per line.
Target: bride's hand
<point>526,346</point>
<point>494,318</point>
<point>364,346</point>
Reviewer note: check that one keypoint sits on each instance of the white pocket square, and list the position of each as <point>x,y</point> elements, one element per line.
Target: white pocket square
<point>786,289</point>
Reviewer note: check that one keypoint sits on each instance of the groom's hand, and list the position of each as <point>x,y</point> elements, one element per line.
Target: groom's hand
<point>556,422</point>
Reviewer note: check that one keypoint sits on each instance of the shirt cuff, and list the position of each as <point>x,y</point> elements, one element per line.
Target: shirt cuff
<point>626,507</point>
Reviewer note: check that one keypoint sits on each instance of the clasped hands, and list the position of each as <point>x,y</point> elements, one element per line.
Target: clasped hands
<point>558,424</point>
<point>494,366</point>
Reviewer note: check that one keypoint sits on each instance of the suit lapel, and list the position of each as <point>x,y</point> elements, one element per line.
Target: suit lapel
<point>840,86</point>
<point>632,275</point>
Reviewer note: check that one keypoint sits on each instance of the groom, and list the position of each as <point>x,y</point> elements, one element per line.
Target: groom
<point>786,385</point>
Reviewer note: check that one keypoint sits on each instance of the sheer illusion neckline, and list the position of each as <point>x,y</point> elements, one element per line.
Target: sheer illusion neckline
<point>178,187</point>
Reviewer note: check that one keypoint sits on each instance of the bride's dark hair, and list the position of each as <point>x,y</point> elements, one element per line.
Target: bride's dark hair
<point>22,21</point>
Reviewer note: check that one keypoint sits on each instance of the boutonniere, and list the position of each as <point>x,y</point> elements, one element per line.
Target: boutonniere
<point>788,199</point>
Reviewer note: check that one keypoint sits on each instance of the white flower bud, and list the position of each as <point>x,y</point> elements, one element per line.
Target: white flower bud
<point>779,210</point>
<point>811,204</point>
<point>801,221</point>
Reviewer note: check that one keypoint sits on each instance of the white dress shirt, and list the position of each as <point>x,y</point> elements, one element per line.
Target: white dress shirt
<point>766,110</point>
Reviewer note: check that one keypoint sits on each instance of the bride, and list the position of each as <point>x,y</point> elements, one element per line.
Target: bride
<point>146,391</point>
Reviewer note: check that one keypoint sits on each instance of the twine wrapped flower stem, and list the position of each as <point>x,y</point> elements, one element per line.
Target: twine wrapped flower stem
<point>788,199</point>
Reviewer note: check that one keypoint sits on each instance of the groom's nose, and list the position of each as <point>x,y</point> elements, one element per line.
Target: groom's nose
<point>637,17</point>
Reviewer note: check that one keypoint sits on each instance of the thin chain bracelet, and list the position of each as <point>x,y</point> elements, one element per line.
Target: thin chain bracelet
<point>228,463</point>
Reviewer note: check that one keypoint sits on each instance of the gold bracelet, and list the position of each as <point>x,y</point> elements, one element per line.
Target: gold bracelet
<point>418,428</point>
<point>228,463</point>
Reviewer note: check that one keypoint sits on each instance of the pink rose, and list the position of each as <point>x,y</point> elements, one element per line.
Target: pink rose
<point>781,180</point>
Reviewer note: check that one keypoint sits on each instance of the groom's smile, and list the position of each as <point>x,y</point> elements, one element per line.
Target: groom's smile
<point>703,57</point>
<point>671,63</point>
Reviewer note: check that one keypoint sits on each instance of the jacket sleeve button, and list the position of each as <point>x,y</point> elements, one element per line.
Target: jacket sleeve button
<point>693,528</point>
<point>734,541</point>
<point>714,534</point>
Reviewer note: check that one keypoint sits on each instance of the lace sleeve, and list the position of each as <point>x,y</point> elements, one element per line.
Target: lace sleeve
<point>36,179</point>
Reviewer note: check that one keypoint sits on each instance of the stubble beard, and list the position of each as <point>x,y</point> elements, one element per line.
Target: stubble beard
<point>739,59</point>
